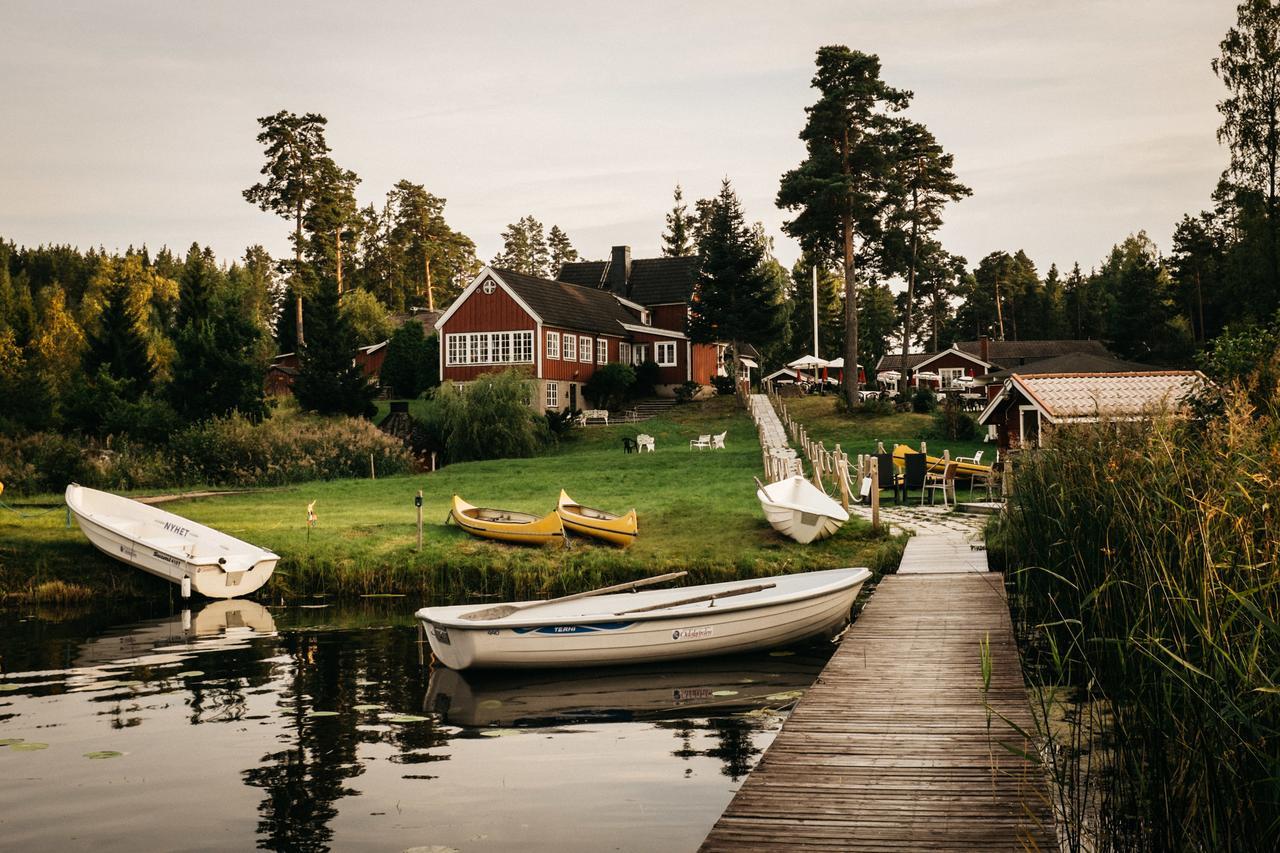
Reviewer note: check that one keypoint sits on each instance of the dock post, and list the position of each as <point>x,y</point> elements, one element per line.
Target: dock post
<point>875,493</point>
<point>418,502</point>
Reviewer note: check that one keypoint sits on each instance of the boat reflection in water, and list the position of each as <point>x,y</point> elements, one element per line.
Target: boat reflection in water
<point>707,687</point>
<point>219,625</point>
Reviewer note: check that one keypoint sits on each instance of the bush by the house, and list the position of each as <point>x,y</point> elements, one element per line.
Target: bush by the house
<point>686,391</point>
<point>646,378</point>
<point>609,387</point>
<point>923,401</point>
<point>953,423</point>
<point>410,368</point>
<point>491,418</point>
<point>722,384</point>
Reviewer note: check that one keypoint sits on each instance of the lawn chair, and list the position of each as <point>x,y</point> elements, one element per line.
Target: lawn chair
<point>976,458</point>
<point>717,441</point>
<point>915,466</point>
<point>702,442</point>
<point>946,482</point>
<point>644,442</point>
<point>888,472</point>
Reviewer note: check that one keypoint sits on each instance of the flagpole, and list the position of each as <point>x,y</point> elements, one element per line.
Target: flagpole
<point>815,312</point>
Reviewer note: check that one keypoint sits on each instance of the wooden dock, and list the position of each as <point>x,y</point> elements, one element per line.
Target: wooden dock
<point>893,748</point>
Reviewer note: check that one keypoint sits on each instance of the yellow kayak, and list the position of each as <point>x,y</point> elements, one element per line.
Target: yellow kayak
<point>507,525</point>
<point>586,521</point>
<point>938,464</point>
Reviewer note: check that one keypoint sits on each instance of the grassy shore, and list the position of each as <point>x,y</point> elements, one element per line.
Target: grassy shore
<point>697,512</point>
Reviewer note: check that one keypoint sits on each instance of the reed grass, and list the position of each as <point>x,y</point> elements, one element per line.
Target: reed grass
<point>1145,576</point>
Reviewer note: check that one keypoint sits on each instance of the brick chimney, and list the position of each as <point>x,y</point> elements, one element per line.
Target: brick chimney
<point>984,348</point>
<point>620,271</point>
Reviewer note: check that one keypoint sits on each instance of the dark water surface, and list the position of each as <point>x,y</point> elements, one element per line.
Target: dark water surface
<point>241,726</point>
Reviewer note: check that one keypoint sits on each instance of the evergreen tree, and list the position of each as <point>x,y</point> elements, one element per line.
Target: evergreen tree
<point>1053,314</point>
<point>677,240</point>
<point>561,251</point>
<point>879,316</point>
<point>366,316</point>
<point>408,369</point>
<point>524,249</point>
<point>329,381</point>
<point>830,308</point>
<point>737,298</point>
<point>119,346</point>
<point>295,149</point>
<point>421,248</point>
<point>332,220</point>
<point>841,191</point>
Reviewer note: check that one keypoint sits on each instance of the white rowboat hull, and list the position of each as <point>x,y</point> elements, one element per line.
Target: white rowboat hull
<point>169,546</point>
<point>601,632</point>
<point>801,511</point>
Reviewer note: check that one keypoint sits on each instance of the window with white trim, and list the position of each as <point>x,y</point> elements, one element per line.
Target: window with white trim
<point>665,353</point>
<point>602,350</point>
<point>553,345</point>
<point>553,395</point>
<point>639,353</point>
<point>950,375</point>
<point>624,352</point>
<point>584,349</point>
<point>570,348</point>
<point>488,348</point>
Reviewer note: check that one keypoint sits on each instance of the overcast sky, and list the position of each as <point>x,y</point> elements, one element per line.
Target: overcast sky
<point>1076,122</point>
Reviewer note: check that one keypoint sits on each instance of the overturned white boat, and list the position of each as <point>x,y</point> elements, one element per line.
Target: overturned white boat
<point>798,509</point>
<point>636,627</point>
<point>169,546</point>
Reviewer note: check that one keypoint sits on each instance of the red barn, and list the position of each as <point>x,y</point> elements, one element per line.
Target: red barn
<point>563,331</point>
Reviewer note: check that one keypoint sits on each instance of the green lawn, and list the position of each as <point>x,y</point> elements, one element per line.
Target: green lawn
<point>697,511</point>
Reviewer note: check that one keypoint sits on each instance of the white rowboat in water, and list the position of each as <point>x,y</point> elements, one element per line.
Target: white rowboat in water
<point>653,625</point>
<point>798,509</point>
<point>169,546</point>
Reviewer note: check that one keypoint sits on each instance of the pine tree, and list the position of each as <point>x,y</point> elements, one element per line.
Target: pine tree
<point>677,240</point>
<point>329,381</point>
<point>407,370</point>
<point>524,248</point>
<point>119,346</point>
<point>736,299</point>
<point>561,251</point>
<point>830,309</point>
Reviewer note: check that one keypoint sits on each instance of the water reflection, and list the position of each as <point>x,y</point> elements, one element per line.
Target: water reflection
<point>317,729</point>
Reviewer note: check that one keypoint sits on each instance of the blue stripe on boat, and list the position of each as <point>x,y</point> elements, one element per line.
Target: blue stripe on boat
<point>561,630</point>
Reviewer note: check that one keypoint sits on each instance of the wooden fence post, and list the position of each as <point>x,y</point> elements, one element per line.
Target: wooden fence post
<point>875,494</point>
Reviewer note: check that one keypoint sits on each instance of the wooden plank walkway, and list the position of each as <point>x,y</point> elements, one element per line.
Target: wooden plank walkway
<point>943,553</point>
<point>893,748</point>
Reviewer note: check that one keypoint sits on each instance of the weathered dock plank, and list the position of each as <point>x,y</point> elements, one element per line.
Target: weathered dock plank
<point>893,748</point>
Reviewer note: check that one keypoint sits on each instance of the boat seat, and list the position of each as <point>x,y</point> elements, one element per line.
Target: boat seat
<point>127,526</point>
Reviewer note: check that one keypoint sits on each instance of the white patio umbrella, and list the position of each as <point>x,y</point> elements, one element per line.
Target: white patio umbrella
<point>888,376</point>
<point>808,362</point>
<point>928,376</point>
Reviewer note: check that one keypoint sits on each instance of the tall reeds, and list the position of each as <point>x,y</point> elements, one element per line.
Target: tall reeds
<point>1145,574</point>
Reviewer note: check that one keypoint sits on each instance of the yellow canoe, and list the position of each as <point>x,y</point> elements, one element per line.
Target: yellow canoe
<point>507,525</point>
<point>937,463</point>
<point>596,523</point>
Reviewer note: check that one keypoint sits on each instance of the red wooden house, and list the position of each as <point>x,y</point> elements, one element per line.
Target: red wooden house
<point>562,331</point>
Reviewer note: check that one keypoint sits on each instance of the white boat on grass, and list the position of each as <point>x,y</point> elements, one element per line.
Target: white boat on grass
<point>169,546</point>
<point>800,510</point>
<point>636,627</point>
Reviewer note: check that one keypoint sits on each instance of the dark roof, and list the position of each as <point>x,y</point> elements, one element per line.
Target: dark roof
<point>654,281</point>
<point>1074,362</point>
<point>570,306</point>
<point>1016,353</point>
<point>417,315</point>
<point>893,360</point>
<point>585,273</point>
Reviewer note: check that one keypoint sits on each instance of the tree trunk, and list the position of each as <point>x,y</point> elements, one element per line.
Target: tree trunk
<point>1200,306</point>
<point>337,237</point>
<point>999,311</point>
<point>851,388</point>
<point>297,273</point>
<point>431,299</point>
<point>911,280</point>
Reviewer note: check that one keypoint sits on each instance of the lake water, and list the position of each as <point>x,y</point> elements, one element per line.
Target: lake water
<point>315,728</point>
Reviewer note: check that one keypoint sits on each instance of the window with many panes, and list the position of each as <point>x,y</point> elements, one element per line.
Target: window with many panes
<point>553,395</point>
<point>570,348</point>
<point>665,353</point>
<point>584,349</point>
<point>639,353</point>
<point>602,350</point>
<point>553,345</point>
<point>624,352</point>
<point>489,348</point>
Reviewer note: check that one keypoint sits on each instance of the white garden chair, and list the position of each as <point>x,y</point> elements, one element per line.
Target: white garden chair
<point>975,459</point>
<point>717,441</point>
<point>702,442</point>
<point>644,442</point>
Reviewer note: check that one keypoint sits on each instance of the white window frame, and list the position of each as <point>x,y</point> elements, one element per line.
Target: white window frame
<point>553,346</point>
<point>951,374</point>
<point>570,348</point>
<point>584,349</point>
<point>553,395</point>
<point>522,348</point>
<point>602,350</point>
<point>639,354</point>
<point>624,352</point>
<point>466,348</point>
<point>660,349</point>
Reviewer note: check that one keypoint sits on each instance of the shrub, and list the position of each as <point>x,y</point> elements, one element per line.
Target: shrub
<point>646,378</point>
<point>561,423</point>
<point>491,418</point>
<point>609,386</point>
<point>722,384</point>
<point>407,370</point>
<point>40,462</point>
<point>952,422</point>
<point>923,401</point>
<point>686,391</point>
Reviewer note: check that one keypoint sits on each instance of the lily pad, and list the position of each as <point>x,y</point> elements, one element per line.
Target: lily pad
<point>322,713</point>
<point>10,741</point>
<point>6,687</point>
<point>28,746</point>
<point>101,754</point>
<point>405,718</point>
<point>724,693</point>
<point>785,697</point>
<point>500,732</point>
<point>491,703</point>
<point>366,708</point>
<point>191,673</point>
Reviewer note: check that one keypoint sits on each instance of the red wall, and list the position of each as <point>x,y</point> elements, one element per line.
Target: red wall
<point>673,317</point>
<point>566,370</point>
<point>484,312</point>
<point>704,363</point>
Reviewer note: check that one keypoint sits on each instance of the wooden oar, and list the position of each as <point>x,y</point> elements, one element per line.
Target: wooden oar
<point>709,597</point>
<point>498,611</point>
